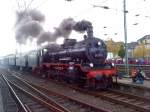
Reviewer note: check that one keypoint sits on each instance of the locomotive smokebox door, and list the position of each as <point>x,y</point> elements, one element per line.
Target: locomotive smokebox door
<point>96,51</point>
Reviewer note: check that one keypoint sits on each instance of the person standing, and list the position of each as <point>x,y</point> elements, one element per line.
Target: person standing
<point>140,76</point>
<point>133,75</point>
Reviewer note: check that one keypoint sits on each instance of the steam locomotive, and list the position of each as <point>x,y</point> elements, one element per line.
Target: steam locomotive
<point>82,63</point>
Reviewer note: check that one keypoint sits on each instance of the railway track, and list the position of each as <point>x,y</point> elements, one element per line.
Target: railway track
<point>9,105</point>
<point>64,103</point>
<point>137,103</point>
<point>31,100</point>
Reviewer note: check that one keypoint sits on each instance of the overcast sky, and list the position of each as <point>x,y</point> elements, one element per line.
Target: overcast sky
<point>107,23</point>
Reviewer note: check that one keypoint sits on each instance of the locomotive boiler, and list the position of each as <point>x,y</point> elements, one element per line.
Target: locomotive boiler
<point>89,51</point>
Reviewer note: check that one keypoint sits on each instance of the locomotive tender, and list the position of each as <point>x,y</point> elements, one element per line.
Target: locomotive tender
<point>81,62</point>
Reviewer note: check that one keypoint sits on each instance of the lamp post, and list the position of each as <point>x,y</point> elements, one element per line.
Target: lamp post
<point>125,32</point>
<point>125,37</point>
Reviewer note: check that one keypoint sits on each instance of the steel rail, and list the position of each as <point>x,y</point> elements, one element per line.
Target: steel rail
<point>46,101</point>
<point>40,88</point>
<point>111,99</point>
<point>135,106</point>
<point>130,95</point>
<point>20,105</point>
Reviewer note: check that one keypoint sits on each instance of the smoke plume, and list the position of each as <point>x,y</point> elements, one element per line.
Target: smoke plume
<point>65,28</point>
<point>67,25</point>
<point>82,26</point>
<point>45,36</point>
<point>28,24</point>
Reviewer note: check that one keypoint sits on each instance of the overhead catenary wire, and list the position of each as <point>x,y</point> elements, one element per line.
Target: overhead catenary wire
<point>29,4</point>
<point>136,15</point>
<point>42,3</point>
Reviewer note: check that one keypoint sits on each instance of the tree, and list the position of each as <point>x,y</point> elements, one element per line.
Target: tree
<point>110,45</point>
<point>121,51</point>
<point>113,46</point>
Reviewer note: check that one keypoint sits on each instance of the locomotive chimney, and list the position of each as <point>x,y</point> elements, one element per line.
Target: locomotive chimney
<point>83,26</point>
<point>90,32</point>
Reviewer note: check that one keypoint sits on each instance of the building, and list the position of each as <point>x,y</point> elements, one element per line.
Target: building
<point>131,47</point>
<point>144,47</point>
<point>145,41</point>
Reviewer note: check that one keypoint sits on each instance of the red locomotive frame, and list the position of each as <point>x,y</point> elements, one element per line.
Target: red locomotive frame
<point>95,78</point>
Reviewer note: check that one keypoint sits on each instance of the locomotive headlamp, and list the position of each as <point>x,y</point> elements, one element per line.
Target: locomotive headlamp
<point>91,65</point>
<point>99,43</point>
<point>113,64</point>
<point>45,50</point>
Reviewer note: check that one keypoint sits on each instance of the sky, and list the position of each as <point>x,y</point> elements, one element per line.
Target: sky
<point>107,23</point>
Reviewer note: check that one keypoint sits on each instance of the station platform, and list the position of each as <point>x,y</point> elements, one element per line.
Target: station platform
<point>128,81</point>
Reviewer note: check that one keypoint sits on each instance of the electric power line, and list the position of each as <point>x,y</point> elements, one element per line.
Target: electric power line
<point>42,3</point>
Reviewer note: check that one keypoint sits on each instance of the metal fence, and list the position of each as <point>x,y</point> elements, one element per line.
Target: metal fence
<point>121,70</point>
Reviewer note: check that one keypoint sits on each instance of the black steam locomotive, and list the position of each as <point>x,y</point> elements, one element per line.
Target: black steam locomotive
<point>89,51</point>
<point>75,62</point>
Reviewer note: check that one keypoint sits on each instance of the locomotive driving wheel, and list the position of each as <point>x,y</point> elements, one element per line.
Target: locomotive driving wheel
<point>92,83</point>
<point>101,83</point>
<point>104,82</point>
<point>110,81</point>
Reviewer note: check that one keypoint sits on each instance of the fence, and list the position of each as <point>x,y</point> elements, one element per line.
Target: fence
<point>121,69</point>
